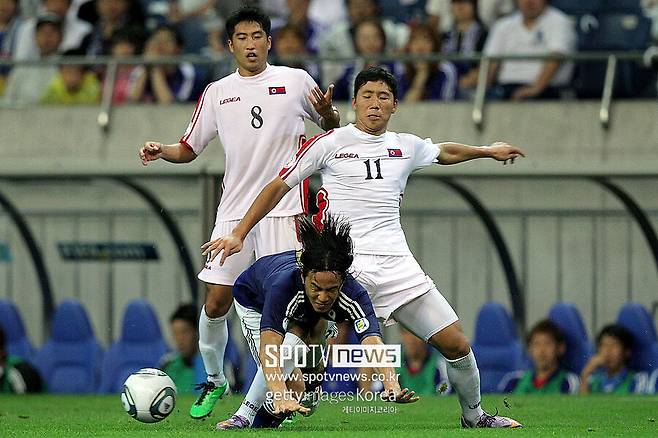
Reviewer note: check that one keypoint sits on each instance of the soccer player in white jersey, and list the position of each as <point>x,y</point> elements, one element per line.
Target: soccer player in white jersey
<point>364,171</point>
<point>258,113</point>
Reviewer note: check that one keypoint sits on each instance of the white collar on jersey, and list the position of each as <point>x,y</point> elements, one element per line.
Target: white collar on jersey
<point>364,135</point>
<point>251,78</point>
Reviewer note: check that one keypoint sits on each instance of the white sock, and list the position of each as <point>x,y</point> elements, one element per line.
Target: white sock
<point>213,337</point>
<point>464,376</point>
<point>258,389</point>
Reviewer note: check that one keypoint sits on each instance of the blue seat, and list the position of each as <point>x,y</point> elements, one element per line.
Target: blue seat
<point>141,345</point>
<point>249,370</point>
<point>497,347</point>
<point>16,340</point>
<point>636,319</point>
<point>70,361</point>
<point>579,348</point>
<point>580,7</point>
<point>606,32</point>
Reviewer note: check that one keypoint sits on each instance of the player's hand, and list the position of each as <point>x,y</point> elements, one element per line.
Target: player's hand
<point>288,406</point>
<point>227,245</point>
<point>504,152</point>
<point>400,396</point>
<point>323,102</point>
<point>596,361</point>
<point>151,151</point>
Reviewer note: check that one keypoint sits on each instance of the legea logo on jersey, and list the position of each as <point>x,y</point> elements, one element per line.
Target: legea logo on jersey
<point>347,155</point>
<point>277,90</point>
<point>343,355</point>
<point>229,100</point>
<point>395,153</point>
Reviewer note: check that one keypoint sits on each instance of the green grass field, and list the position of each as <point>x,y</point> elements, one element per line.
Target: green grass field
<point>83,416</point>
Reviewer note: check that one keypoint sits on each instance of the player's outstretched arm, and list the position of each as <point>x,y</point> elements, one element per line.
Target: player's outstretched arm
<point>323,104</point>
<point>266,200</point>
<point>174,153</point>
<point>453,153</point>
<point>392,389</point>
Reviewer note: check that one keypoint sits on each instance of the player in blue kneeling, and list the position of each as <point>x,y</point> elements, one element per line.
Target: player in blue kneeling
<point>287,299</point>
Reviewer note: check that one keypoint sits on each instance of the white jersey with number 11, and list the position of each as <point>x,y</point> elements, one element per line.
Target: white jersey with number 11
<point>363,180</point>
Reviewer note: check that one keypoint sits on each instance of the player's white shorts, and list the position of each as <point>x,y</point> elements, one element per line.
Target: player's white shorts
<point>396,285</point>
<point>250,324</point>
<point>271,235</point>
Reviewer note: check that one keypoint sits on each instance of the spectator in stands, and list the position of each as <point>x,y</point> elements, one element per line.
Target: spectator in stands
<point>299,18</point>
<point>184,365</point>
<point>74,84</point>
<point>108,16</point>
<point>126,43</point>
<point>370,40</point>
<point>425,80</point>
<point>27,84</point>
<point>10,22</point>
<point>289,41</point>
<point>16,375</point>
<point>439,16</point>
<point>167,83</point>
<point>194,19</point>
<point>546,345</point>
<point>419,368</point>
<point>466,37</point>
<point>74,30</point>
<point>340,40</point>
<point>607,371</point>
<point>536,29</point>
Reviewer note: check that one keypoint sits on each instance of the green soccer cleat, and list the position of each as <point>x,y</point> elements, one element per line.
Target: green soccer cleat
<point>204,405</point>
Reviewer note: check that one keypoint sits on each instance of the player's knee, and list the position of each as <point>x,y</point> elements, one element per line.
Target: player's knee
<point>454,348</point>
<point>218,301</point>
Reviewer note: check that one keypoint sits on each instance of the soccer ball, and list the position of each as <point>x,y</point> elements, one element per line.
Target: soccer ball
<point>149,395</point>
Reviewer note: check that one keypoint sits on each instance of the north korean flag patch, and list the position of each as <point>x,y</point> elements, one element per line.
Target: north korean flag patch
<point>277,90</point>
<point>395,153</point>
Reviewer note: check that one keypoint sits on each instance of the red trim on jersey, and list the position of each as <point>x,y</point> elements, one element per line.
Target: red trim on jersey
<point>187,145</point>
<point>303,193</point>
<point>196,114</point>
<point>285,172</point>
<point>322,201</point>
<point>303,187</point>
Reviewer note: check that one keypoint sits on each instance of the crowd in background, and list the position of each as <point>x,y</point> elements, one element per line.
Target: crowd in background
<point>348,29</point>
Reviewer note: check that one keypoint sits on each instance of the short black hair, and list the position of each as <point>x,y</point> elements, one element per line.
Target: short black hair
<point>2,339</point>
<point>186,312</point>
<point>248,13</point>
<point>327,247</point>
<point>376,74</point>
<point>132,35</point>
<point>618,332</point>
<point>548,327</point>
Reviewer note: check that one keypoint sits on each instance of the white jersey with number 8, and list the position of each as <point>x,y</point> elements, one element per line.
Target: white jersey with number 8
<point>260,123</point>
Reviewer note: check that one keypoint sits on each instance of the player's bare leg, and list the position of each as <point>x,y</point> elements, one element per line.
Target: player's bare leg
<point>213,337</point>
<point>464,376</point>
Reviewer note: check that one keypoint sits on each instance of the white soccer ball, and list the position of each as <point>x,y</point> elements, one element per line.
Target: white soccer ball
<point>149,395</point>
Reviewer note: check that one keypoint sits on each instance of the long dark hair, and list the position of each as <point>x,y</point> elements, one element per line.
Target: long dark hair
<point>429,31</point>
<point>328,248</point>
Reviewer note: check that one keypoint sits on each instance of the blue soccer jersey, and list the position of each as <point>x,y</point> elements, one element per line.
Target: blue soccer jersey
<point>273,287</point>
